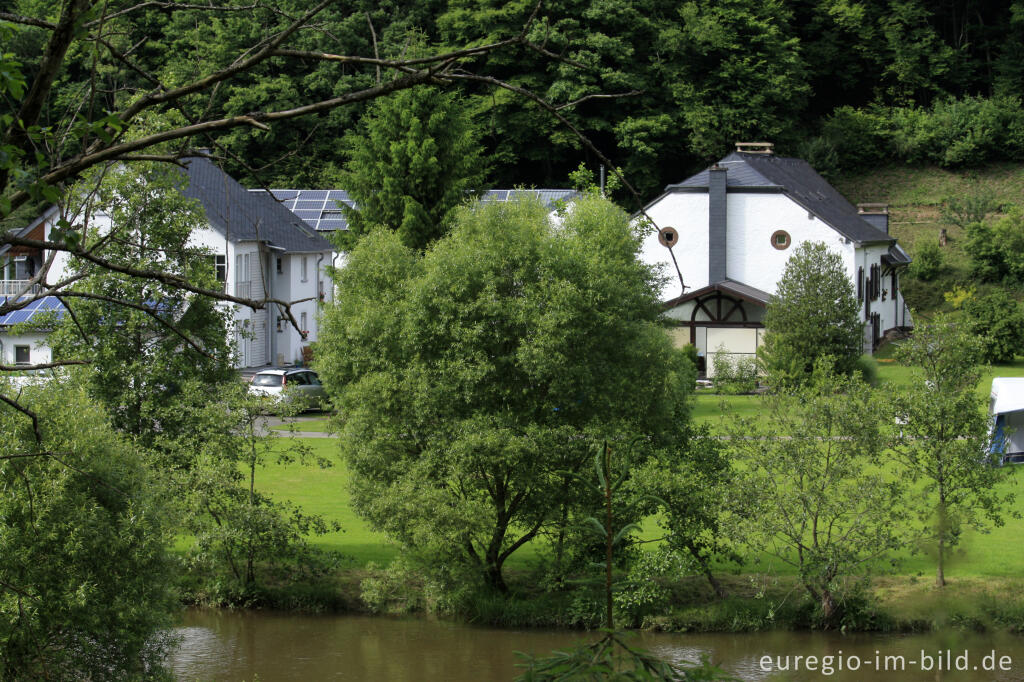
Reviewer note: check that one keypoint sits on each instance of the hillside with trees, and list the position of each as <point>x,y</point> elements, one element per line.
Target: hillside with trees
<point>660,87</point>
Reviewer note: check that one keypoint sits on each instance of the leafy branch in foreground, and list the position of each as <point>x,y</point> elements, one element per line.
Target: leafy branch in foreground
<point>610,657</point>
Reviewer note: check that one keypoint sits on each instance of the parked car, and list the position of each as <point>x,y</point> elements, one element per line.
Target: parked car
<point>301,385</point>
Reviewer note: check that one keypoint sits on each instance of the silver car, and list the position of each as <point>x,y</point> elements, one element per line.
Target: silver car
<point>300,385</point>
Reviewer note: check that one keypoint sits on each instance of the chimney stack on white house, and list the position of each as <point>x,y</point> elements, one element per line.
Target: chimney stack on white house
<point>876,214</point>
<point>717,219</point>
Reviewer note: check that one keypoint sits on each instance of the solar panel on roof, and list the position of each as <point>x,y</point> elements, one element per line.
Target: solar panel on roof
<point>320,194</point>
<point>337,195</point>
<point>307,215</point>
<point>331,225</point>
<point>309,204</point>
<point>18,316</point>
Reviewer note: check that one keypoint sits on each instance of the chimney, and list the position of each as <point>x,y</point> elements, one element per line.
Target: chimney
<point>716,224</point>
<point>765,148</point>
<point>875,214</point>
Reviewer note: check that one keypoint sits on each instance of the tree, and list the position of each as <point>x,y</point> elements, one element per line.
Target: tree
<point>236,527</point>
<point>692,489</point>
<point>469,383</point>
<point>85,580</point>
<point>997,249</point>
<point>610,657</point>
<point>943,442</point>
<point>813,314</point>
<point>997,321</point>
<point>165,337</point>
<point>810,488</point>
<point>412,161</point>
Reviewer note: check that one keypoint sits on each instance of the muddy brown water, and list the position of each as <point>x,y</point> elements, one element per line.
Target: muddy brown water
<point>247,646</point>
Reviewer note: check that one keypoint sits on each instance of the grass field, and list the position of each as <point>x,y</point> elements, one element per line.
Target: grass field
<point>998,553</point>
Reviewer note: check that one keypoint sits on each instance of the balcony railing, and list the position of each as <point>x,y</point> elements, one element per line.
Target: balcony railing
<point>16,287</point>
<point>243,289</point>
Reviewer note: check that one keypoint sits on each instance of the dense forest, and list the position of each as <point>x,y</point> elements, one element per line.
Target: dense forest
<point>846,84</point>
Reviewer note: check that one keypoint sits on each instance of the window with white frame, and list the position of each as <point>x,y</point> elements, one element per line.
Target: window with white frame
<point>22,355</point>
<point>302,322</point>
<point>305,268</point>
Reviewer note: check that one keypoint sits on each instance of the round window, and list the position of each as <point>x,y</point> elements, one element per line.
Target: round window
<point>780,239</point>
<point>668,236</point>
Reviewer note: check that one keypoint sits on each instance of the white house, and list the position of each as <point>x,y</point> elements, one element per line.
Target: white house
<point>726,233</point>
<point>260,249</point>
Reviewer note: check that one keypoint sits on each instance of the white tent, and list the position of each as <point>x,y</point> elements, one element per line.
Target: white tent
<point>1006,406</point>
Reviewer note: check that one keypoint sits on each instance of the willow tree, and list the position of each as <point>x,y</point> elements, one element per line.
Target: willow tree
<point>472,382</point>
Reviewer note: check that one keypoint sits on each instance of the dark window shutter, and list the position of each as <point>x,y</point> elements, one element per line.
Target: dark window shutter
<point>860,283</point>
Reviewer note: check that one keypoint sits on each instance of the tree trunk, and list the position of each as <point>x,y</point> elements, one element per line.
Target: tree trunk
<point>828,608</point>
<point>940,574</point>
<point>706,570</point>
<point>943,525</point>
<point>493,576</point>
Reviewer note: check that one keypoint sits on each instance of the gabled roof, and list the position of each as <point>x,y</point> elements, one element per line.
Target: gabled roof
<point>320,209</point>
<point>730,287</point>
<point>242,215</point>
<point>796,179</point>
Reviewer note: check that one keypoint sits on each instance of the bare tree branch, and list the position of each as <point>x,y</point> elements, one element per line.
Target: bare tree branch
<point>585,98</point>
<point>145,309</point>
<point>42,365</point>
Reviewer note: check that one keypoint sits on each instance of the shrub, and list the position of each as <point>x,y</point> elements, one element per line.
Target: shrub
<point>734,376</point>
<point>856,137</point>
<point>952,133</point>
<point>928,262</point>
<point>998,321</point>
<point>974,207</point>
<point>997,250</point>
<point>868,368</point>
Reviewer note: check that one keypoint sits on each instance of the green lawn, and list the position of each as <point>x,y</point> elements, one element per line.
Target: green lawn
<point>325,491</point>
<point>309,425</point>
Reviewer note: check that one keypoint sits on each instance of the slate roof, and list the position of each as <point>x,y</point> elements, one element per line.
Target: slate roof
<point>320,209</point>
<point>796,179</point>
<point>242,215</point>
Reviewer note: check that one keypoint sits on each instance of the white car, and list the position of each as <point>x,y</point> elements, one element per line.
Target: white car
<point>302,385</point>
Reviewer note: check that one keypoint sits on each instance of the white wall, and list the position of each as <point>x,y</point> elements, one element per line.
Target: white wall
<point>688,214</point>
<point>751,258</point>
<point>39,350</point>
<point>752,219</point>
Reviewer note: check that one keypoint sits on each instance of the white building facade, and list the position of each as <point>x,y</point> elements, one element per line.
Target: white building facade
<point>727,233</point>
<point>261,250</point>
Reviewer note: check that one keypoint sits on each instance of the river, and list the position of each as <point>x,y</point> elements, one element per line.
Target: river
<point>245,646</point>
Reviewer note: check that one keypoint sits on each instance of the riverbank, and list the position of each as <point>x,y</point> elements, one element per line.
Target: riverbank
<point>899,596</point>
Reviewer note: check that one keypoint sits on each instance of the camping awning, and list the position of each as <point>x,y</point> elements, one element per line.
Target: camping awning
<point>1007,394</point>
